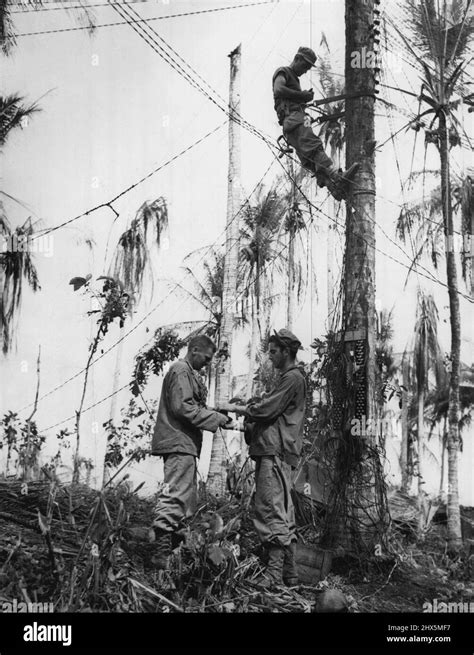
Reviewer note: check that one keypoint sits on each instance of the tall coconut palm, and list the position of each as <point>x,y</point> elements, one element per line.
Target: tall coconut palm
<point>427,360</point>
<point>443,34</point>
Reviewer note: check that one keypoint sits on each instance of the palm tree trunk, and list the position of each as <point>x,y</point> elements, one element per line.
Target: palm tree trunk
<point>404,417</point>
<point>443,455</point>
<point>216,480</point>
<point>454,516</point>
<point>331,260</point>
<point>421,481</point>
<point>359,279</point>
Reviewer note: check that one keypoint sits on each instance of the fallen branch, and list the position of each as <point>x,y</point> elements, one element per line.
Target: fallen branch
<point>152,592</point>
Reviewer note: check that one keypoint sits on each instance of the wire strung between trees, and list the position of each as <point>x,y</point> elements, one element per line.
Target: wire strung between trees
<point>73,418</point>
<point>43,233</point>
<point>38,9</point>
<point>160,302</point>
<point>237,297</point>
<point>429,276</point>
<point>152,38</point>
<point>241,293</point>
<point>153,18</point>
<point>271,145</point>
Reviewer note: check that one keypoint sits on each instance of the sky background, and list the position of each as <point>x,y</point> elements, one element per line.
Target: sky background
<point>113,111</point>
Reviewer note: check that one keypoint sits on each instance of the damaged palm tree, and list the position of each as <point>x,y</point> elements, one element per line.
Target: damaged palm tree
<point>217,475</point>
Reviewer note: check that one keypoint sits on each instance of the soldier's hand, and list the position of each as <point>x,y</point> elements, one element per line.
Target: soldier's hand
<point>307,96</point>
<point>227,423</point>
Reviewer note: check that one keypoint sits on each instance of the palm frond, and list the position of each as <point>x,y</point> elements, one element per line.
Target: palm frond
<point>18,265</point>
<point>442,31</point>
<point>7,35</point>
<point>132,259</point>
<point>13,113</point>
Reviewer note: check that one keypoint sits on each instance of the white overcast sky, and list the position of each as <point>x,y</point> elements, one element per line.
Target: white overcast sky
<point>112,111</point>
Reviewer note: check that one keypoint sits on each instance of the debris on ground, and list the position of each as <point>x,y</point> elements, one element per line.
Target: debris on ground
<point>89,551</point>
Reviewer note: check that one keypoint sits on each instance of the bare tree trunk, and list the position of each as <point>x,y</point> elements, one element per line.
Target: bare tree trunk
<point>421,470</point>
<point>217,475</point>
<point>404,444</point>
<point>443,455</point>
<point>454,516</point>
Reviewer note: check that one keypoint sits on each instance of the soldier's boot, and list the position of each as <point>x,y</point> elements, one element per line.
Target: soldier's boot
<point>274,571</point>
<point>290,572</point>
<point>337,181</point>
<point>160,559</point>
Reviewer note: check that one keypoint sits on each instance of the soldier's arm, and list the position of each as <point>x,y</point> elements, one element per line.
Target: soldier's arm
<point>270,407</point>
<point>282,92</point>
<point>184,406</point>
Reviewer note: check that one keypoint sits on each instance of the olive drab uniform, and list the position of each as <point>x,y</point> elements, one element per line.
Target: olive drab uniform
<point>182,416</point>
<point>276,442</point>
<point>297,126</point>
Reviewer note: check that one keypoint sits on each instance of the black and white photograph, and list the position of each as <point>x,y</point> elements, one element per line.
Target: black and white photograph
<point>236,324</point>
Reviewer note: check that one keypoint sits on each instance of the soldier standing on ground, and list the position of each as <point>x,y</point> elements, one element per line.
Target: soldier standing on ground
<point>177,437</point>
<point>275,445</point>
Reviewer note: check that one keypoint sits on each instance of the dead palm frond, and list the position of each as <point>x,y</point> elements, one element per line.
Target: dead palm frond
<point>427,355</point>
<point>132,257</point>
